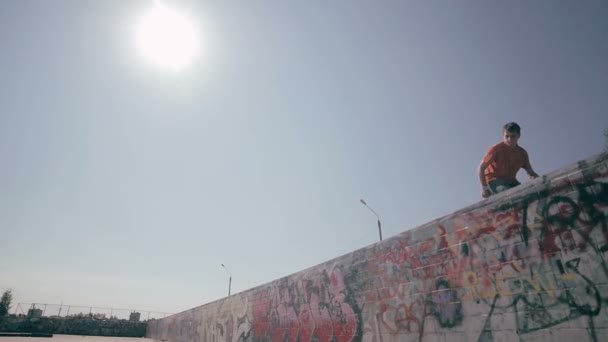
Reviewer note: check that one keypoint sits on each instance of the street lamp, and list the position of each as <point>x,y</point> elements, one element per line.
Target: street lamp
<point>229,279</point>
<point>379,224</point>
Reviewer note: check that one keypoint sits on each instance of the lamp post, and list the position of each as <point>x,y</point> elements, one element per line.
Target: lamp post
<point>372,210</point>
<point>229,279</point>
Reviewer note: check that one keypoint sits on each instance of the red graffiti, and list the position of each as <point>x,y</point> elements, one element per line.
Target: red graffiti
<point>305,309</point>
<point>261,306</point>
<point>402,317</point>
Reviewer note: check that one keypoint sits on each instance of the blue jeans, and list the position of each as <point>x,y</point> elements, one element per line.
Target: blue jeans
<point>499,185</point>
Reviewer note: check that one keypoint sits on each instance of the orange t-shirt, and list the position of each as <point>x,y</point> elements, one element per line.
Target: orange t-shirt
<point>504,162</point>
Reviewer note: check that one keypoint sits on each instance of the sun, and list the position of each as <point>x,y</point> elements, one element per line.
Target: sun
<point>167,38</point>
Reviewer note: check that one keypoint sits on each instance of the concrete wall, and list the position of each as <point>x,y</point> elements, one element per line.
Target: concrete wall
<point>528,264</point>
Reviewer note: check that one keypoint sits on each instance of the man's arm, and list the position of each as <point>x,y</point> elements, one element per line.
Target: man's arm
<point>531,172</point>
<point>481,173</point>
<point>528,168</point>
<point>485,192</point>
<point>488,159</point>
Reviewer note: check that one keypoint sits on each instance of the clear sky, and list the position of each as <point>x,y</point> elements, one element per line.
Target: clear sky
<point>123,184</point>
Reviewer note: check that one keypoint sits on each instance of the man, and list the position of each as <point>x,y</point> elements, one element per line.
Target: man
<point>499,167</point>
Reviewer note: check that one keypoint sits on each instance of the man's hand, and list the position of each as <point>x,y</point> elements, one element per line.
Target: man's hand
<point>531,173</point>
<point>485,192</point>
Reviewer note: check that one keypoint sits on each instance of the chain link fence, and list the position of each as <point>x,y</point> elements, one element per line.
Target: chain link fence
<point>34,310</point>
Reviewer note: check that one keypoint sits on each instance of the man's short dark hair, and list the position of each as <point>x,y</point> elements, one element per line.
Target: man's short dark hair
<point>513,128</point>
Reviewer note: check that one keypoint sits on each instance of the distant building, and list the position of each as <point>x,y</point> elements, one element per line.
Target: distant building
<point>34,313</point>
<point>134,316</point>
<point>99,316</point>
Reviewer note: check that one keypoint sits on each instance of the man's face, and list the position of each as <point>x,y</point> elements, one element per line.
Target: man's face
<point>511,138</point>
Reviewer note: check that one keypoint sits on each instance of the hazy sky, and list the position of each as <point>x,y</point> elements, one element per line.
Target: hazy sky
<point>124,184</point>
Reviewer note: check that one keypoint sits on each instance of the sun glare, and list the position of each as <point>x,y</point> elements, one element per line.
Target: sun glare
<point>167,38</point>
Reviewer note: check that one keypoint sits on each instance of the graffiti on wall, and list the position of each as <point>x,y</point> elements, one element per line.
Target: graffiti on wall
<point>226,321</point>
<point>311,306</point>
<point>536,257</point>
